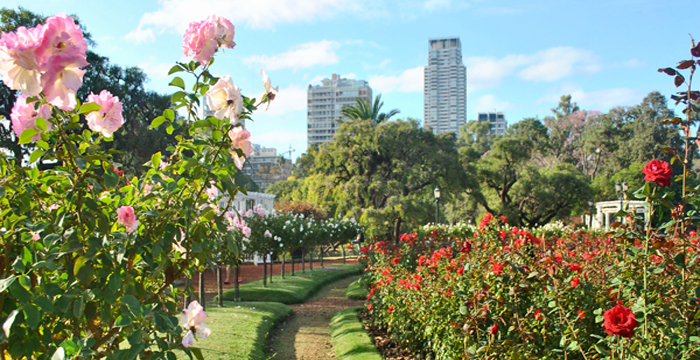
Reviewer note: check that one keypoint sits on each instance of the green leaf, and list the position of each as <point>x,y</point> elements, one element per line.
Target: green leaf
<point>680,260</point>
<point>40,124</point>
<point>89,107</point>
<point>111,178</point>
<point>132,303</point>
<point>695,339</point>
<point>552,304</point>
<point>197,352</point>
<point>169,114</point>
<point>80,163</point>
<point>31,315</point>
<point>155,160</point>
<point>178,82</point>
<point>27,135</point>
<point>123,321</point>
<point>78,306</point>
<point>36,154</point>
<point>115,281</point>
<point>175,69</point>
<point>44,303</point>
<point>157,121</point>
<point>463,310</point>
<point>8,323</point>
<point>83,271</point>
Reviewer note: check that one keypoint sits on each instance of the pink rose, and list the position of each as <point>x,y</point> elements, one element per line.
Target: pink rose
<point>192,320</point>
<point>199,40</point>
<point>61,37</point>
<point>223,31</point>
<point>24,116</point>
<point>240,138</point>
<point>126,217</point>
<point>109,118</point>
<point>18,65</point>
<point>62,79</point>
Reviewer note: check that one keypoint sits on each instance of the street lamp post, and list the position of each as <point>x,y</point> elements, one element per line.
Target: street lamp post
<point>621,189</point>
<point>590,214</point>
<point>436,192</point>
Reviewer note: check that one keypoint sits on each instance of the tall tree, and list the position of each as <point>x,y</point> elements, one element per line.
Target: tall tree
<point>364,110</point>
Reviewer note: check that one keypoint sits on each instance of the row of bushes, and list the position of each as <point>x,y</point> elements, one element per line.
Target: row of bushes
<point>497,291</point>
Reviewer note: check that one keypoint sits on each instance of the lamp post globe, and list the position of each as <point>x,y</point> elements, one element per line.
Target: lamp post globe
<point>436,193</point>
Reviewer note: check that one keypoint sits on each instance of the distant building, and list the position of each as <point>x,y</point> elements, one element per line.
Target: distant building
<point>497,120</point>
<point>445,86</point>
<point>325,102</point>
<point>265,167</point>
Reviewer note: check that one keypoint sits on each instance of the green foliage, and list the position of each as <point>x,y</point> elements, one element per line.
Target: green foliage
<point>350,341</point>
<point>355,291</point>
<point>364,110</point>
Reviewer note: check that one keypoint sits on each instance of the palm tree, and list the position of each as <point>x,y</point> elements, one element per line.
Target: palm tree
<point>363,110</point>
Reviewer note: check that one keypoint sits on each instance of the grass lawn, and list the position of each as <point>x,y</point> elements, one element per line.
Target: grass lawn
<point>350,341</point>
<point>355,291</point>
<point>239,330</point>
<point>294,289</point>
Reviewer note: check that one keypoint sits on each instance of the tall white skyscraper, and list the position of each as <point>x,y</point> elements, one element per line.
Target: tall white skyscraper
<point>445,86</point>
<point>325,102</point>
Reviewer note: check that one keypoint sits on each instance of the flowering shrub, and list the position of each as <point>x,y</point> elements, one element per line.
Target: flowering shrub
<point>89,256</point>
<point>499,291</point>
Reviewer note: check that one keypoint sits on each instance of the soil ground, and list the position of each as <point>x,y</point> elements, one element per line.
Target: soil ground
<point>306,335</point>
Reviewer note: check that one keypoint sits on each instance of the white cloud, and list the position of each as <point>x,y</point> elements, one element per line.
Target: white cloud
<point>349,76</point>
<point>559,62</point>
<point>300,57</point>
<point>279,136</point>
<point>595,100</point>
<point>140,35</point>
<point>175,15</point>
<point>435,4</point>
<point>156,71</point>
<point>545,65</point>
<point>291,98</point>
<point>489,102</point>
<point>408,81</point>
<point>316,80</point>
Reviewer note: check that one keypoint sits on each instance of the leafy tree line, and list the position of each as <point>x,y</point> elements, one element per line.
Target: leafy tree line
<point>540,170</point>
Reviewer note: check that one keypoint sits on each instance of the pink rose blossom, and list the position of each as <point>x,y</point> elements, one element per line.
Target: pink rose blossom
<point>241,140</point>
<point>18,66</point>
<point>126,217</point>
<point>246,231</point>
<point>267,234</point>
<point>199,40</point>
<point>109,118</point>
<point>24,116</point>
<point>62,36</point>
<point>225,99</point>
<point>223,31</point>
<point>193,321</point>
<point>62,79</point>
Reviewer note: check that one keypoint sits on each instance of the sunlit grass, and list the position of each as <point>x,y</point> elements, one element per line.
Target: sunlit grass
<point>350,341</point>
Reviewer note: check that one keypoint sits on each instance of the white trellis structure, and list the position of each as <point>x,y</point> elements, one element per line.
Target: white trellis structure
<point>605,212</point>
<point>243,202</point>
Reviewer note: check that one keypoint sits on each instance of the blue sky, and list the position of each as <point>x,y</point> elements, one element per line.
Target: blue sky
<point>521,56</point>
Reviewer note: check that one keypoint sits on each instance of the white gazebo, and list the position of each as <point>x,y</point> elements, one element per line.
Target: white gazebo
<point>605,212</point>
<point>243,202</point>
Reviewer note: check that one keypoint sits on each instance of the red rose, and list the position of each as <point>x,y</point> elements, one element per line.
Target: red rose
<point>497,268</point>
<point>494,329</point>
<point>575,281</point>
<point>620,321</point>
<point>658,171</point>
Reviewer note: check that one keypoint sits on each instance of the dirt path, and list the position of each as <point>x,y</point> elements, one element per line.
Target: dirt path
<point>306,335</point>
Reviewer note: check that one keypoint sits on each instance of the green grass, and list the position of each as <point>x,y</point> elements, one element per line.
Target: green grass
<point>294,289</point>
<point>355,291</point>
<point>350,341</point>
<point>239,330</point>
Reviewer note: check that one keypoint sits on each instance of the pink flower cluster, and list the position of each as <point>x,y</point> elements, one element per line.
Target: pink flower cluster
<point>109,118</point>
<point>24,116</point>
<point>46,58</point>
<point>203,38</point>
<point>126,217</point>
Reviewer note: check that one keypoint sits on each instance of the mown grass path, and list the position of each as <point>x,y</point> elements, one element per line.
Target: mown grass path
<point>306,334</point>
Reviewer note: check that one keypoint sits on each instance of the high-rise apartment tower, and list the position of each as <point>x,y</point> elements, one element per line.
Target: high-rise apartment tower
<point>325,102</point>
<point>445,86</point>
